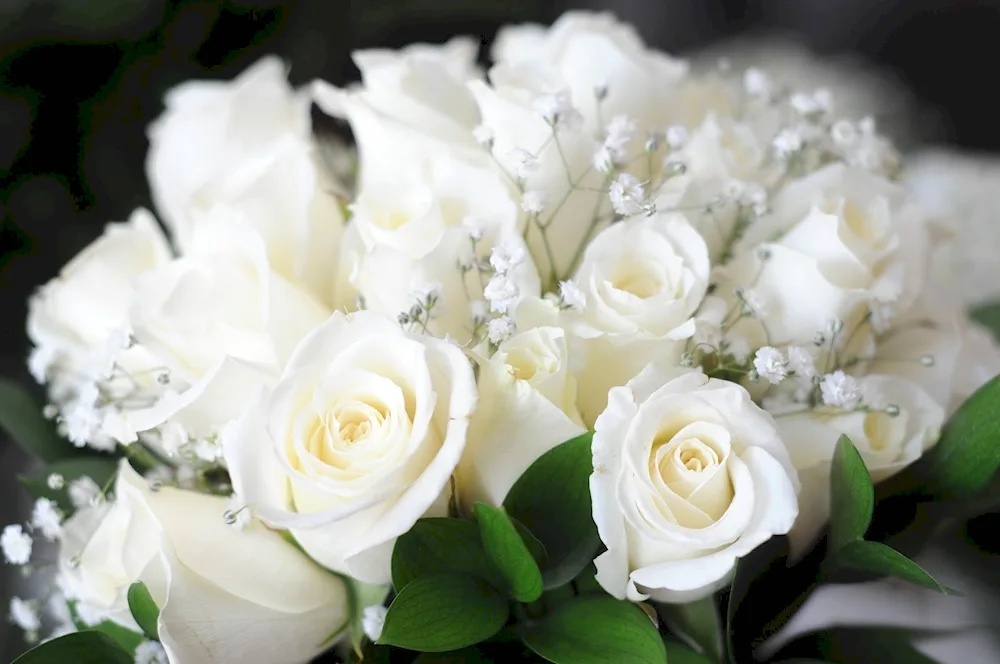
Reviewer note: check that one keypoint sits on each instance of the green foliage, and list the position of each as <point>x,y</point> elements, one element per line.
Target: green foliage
<point>144,609</point>
<point>552,499</point>
<point>698,623</point>
<point>86,647</point>
<point>508,551</point>
<point>441,545</point>
<point>99,469</point>
<point>444,611</point>
<point>21,415</point>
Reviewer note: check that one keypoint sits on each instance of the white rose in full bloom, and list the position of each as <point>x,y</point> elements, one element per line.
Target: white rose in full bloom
<point>72,317</point>
<point>558,73</point>
<point>527,406</point>
<point>887,443</point>
<point>247,143</point>
<point>643,280</point>
<point>358,440</point>
<point>224,595</point>
<point>836,241</point>
<point>689,476</point>
<point>410,103</point>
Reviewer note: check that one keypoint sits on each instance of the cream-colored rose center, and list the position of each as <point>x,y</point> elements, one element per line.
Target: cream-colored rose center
<point>343,426</point>
<point>525,364</point>
<point>689,466</point>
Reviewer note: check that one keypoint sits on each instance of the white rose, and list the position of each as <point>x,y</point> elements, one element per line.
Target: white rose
<point>643,280</point>
<point>221,323</point>
<point>224,595</point>
<point>689,476</point>
<point>248,144</point>
<point>72,317</point>
<point>420,232</point>
<point>887,443</point>
<point>357,441</point>
<point>410,103</point>
<point>527,406</point>
<point>560,72</point>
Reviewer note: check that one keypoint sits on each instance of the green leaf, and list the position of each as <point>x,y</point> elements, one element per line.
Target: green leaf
<point>509,553</point>
<point>534,545</point>
<point>144,609</point>
<point>678,653</point>
<point>881,559</point>
<point>966,457</point>
<point>852,496</point>
<point>86,647</point>
<point>698,624</point>
<point>855,644</point>
<point>552,499</point>
<point>99,469</point>
<point>441,612</point>
<point>126,639</point>
<point>988,315</point>
<point>596,630</point>
<point>21,415</point>
<point>441,545</point>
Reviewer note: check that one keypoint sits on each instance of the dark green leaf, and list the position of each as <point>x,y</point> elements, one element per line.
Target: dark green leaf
<point>509,553</point>
<point>852,496</point>
<point>534,545</point>
<point>881,559</point>
<point>441,545</point>
<point>678,653</point>
<point>21,415</point>
<point>966,457</point>
<point>99,469</point>
<point>586,581</point>
<point>126,639</point>
<point>552,499</point>
<point>596,630</point>
<point>855,644</point>
<point>144,609</point>
<point>441,612</point>
<point>698,624</point>
<point>86,647</point>
<point>989,315</point>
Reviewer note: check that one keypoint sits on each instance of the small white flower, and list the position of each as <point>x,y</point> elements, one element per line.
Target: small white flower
<point>533,202</point>
<point>47,518</point>
<point>732,190</point>
<point>479,310</point>
<point>372,620</point>
<point>474,228</point>
<point>523,162</point>
<point>677,136</point>
<point>89,614</point>
<point>771,364</point>
<point>24,614</point>
<point>207,451</point>
<point>237,513</point>
<point>756,83</point>
<point>501,292</point>
<point>82,417</point>
<point>505,257</point>
<point>867,125</point>
<point>738,348</point>
<point>880,315</point>
<point>58,608</point>
<point>500,329</point>
<point>627,195</point>
<point>83,491</point>
<point>55,481</point>
<point>840,390</point>
<point>15,544</point>
<point>173,436</point>
<point>571,296</point>
<point>150,652</point>
<point>102,363</point>
<point>707,333</point>
<point>844,133</point>
<point>40,361</point>
<point>558,110</point>
<point>425,292</point>
<point>603,160</point>
<point>483,135</point>
<point>619,132</point>
<point>787,142</point>
<point>800,361</point>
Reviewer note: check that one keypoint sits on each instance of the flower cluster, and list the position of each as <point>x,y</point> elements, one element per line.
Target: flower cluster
<point>713,277</point>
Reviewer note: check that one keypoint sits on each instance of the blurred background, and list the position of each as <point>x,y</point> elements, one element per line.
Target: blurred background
<point>81,79</point>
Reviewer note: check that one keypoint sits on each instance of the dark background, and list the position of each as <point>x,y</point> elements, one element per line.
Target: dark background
<point>81,79</point>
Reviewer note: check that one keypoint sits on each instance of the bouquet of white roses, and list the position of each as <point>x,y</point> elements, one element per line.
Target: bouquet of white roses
<point>591,359</point>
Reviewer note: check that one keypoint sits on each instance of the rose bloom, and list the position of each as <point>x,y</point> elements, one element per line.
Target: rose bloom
<point>224,595</point>
<point>357,441</point>
<point>689,476</point>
